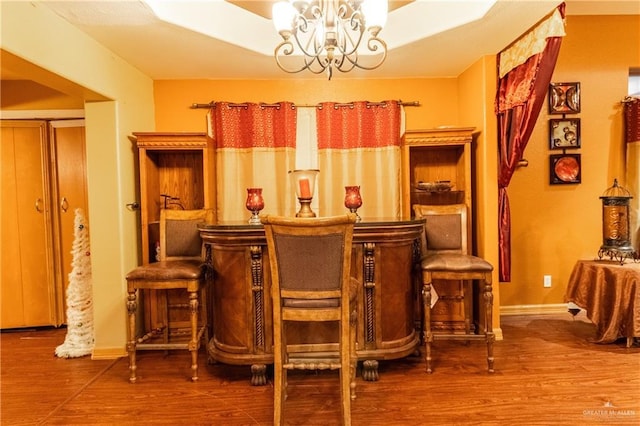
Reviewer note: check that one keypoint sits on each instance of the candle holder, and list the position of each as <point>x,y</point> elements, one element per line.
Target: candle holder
<point>304,182</point>
<point>254,204</point>
<point>353,200</point>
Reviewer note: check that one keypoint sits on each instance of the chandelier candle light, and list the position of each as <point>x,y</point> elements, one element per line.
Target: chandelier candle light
<point>329,34</point>
<point>304,182</point>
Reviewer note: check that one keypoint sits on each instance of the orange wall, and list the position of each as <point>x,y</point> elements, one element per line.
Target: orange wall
<point>438,97</point>
<point>554,225</point>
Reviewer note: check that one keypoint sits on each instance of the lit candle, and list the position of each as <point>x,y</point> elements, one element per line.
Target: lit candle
<point>305,190</point>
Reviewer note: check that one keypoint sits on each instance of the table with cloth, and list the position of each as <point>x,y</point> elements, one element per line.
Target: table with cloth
<point>610,293</point>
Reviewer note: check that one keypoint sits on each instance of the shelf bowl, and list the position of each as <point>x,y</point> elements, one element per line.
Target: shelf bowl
<point>437,186</point>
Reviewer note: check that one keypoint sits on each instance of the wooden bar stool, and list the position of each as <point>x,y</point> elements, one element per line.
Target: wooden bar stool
<point>181,267</point>
<point>310,261</point>
<point>446,257</point>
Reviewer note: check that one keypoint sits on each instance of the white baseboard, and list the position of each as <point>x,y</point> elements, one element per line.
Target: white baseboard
<point>558,308</point>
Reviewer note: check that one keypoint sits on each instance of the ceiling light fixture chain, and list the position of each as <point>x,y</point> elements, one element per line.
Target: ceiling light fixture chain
<point>328,35</point>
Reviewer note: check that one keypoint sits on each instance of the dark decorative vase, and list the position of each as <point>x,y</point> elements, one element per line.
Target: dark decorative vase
<point>353,200</point>
<point>254,204</point>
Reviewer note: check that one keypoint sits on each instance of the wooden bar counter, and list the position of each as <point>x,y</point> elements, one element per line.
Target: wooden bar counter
<point>384,252</point>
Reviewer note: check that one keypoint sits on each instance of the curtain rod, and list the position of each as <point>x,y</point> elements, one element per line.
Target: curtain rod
<point>213,103</point>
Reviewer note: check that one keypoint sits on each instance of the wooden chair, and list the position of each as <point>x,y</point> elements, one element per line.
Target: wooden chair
<point>446,257</point>
<point>310,263</point>
<point>181,266</point>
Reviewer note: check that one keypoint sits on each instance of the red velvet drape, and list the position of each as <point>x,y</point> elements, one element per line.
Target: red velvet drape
<point>632,119</point>
<point>521,94</point>
<point>632,138</point>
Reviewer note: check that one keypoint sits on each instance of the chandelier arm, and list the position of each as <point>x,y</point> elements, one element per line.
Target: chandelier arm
<point>345,27</point>
<point>309,62</point>
<point>286,48</point>
<point>373,44</point>
<point>347,65</point>
<point>313,48</point>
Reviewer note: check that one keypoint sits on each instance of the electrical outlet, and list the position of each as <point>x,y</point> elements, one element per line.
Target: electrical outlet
<point>547,281</point>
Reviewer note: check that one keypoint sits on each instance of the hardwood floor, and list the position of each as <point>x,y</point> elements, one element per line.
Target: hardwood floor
<point>547,372</point>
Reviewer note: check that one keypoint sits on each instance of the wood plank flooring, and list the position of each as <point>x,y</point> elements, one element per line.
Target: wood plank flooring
<point>547,372</point>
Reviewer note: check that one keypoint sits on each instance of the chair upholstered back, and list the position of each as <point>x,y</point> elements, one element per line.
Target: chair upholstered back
<point>310,258</point>
<point>445,228</point>
<point>179,234</point>
<point>310,263</point>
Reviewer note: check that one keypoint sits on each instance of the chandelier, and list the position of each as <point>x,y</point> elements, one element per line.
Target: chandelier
<point>330,34</point>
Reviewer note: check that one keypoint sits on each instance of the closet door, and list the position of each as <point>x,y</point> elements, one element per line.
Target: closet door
<point>28,290</point>
<point>67,138</point>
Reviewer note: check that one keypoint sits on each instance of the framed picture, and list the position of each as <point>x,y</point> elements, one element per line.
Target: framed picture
<point>564,98</point>
<point>564,133</point>
<point>565,168</point>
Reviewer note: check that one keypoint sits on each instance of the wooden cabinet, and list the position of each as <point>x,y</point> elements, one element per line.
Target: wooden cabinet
<point>43,182</point>
<point>177,171</point>
<point>436,155</point>
<point>442,154</point>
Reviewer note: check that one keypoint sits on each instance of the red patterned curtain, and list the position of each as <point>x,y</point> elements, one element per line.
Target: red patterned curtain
<point>522,86</point>
<point>359,144</point>
<point>632,137</point>
<point>255,147</point>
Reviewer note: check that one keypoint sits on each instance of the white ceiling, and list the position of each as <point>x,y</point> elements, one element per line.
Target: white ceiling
<point>217,39</point>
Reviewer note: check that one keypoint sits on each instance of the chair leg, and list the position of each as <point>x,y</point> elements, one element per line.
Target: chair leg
<point>428,334</point>
<point>488,327</point>
<point>345,394</point>
<point>467,296</point>
<point>345,370</point>
<point>194,343</point>
<point>353,364</point>
<point>278,376</point>
<point>165,316</point>
<point>132,306</point>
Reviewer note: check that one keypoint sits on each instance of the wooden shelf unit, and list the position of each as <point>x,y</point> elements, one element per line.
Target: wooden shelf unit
<point>180,166</point>
<point>435,155</point>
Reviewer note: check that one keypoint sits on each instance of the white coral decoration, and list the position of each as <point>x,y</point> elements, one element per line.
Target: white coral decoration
<point>80,339</point>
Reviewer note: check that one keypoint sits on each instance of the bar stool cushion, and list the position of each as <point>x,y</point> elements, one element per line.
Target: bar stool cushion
<point>169,270</point>
<point>454,262</point>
